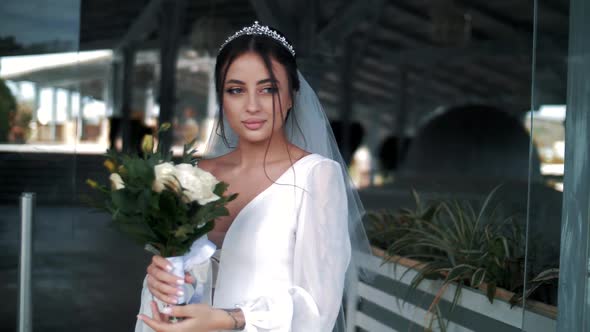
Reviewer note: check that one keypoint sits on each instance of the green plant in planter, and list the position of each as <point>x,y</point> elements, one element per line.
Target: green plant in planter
<point>547,276</point>
<point>385,227</point>
<point>456,242</point>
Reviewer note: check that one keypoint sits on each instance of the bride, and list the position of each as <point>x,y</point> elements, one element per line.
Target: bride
<point>286,244</point>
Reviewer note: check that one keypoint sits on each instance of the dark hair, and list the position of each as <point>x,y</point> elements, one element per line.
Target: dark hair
<point>267,48</point>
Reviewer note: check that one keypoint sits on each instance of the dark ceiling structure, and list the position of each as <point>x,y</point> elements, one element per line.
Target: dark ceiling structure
<point>398,60</point>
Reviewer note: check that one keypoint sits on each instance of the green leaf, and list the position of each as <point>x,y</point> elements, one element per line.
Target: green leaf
<point>430,270</point>
<point>459,272</point>
<point>431,212</point>
<point>124,200</point>
<point>478,277</point>
<point>182,233</point>
<point>137,232</point>
<point>486,204</point>
<point>140,172</point>
<point>204,229</point>
<point>416,199</point>
<point>188,152</point>
<point>439,319</point>
<point>547,275</point>
<point>457,295</point>
<point>154,201</point>
<point>220,188</point>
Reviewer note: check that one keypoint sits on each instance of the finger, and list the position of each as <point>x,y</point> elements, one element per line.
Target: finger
<point>155,325</point>
<point>157,316</point>
<point>162,263</point>
<point>185,311</point>
<point>169,291</point>
<point>155,311</point>
<point>164,298</point>
<point>188,278</point>
<point>157,273</point>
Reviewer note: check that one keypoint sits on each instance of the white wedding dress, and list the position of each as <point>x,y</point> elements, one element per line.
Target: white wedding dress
<point>286,253</point>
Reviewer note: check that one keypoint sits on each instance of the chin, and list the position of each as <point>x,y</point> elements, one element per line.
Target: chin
<point>255,137</point>
<point>258,137</point>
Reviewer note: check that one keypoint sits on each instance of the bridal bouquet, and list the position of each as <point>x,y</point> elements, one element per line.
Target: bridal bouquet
<point>164,206</point>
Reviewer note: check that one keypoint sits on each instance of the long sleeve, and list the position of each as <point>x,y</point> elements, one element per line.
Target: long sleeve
<point>321,256</point>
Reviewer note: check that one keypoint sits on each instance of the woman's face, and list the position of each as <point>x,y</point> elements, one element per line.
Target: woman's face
<point>248,95</point>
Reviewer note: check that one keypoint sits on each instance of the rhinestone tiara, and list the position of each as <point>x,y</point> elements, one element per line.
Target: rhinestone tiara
<point>257,29</point>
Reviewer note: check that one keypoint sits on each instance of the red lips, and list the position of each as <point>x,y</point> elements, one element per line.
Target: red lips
<point>253,124</point>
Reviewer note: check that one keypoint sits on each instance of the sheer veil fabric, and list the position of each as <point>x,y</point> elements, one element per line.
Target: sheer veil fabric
<point>308,127</point>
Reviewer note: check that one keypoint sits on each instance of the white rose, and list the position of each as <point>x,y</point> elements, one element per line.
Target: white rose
<point>207,178</point>
<point>116,181</point>
<point>197,184</point>
<point>185,175</point>
<point>165,175</point>
<point>208,182</point>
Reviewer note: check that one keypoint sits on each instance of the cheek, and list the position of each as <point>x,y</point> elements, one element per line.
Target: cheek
<point>229,111</point>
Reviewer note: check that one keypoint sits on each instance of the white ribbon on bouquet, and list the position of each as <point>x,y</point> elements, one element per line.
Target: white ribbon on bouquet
<point>198,263</point>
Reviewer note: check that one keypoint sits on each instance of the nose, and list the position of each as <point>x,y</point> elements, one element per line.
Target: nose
<point>253,103</point>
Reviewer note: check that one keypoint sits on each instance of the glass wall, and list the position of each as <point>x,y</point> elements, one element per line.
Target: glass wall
<point>452,167</point>
<point>39,109</point>
<point>546,123</point>
<point>451,115</point>
<point>54,127</point>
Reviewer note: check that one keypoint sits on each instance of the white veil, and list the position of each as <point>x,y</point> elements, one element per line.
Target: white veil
<point>308,127</point>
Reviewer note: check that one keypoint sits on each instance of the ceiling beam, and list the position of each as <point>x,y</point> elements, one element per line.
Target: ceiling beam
<point>370,75</point>
<point>270,13</point>
<point>384,61</point>
<point>501,24</point>
<point>372,72</point>
<point>428,54</point>
<point>383,106</point>
<point>367,89</point>
<point>306,41</point>
<point>443,89</point>
<point>145,24</point>
<point>406,16</point>
<point>431,86</point>
<point>369,33</point>
<point>399,35</point>
<point>347,19</point>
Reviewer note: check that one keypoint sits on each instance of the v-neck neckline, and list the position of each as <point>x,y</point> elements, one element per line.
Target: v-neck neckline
<point>260,195</point>
<point>265,190</point>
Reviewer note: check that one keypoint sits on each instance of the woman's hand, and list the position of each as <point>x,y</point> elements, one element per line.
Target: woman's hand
<point>163,284</point>
<point>197,318</point>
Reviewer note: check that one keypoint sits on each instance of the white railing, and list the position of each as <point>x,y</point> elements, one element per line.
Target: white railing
<point>474,303</point>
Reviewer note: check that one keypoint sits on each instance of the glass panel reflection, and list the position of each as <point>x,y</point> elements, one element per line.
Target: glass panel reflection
<point>37,27</point>
<point>546,123</point>
<point>37,154</point>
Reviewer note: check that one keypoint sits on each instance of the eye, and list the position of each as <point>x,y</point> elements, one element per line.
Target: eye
<point>234,91</point>
<point>270,89</point>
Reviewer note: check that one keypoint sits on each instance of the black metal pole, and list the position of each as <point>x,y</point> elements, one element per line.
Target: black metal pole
<point>171,19</point>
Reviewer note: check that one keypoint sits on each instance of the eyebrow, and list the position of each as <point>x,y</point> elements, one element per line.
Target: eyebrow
<point>267,80</point>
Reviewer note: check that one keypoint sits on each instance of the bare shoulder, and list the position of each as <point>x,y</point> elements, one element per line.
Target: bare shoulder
<point>207,164</point>
<point>298,152</point>
<point>214,165</point>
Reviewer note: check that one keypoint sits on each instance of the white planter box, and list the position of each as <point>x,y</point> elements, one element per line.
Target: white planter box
<point>477,313</point>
